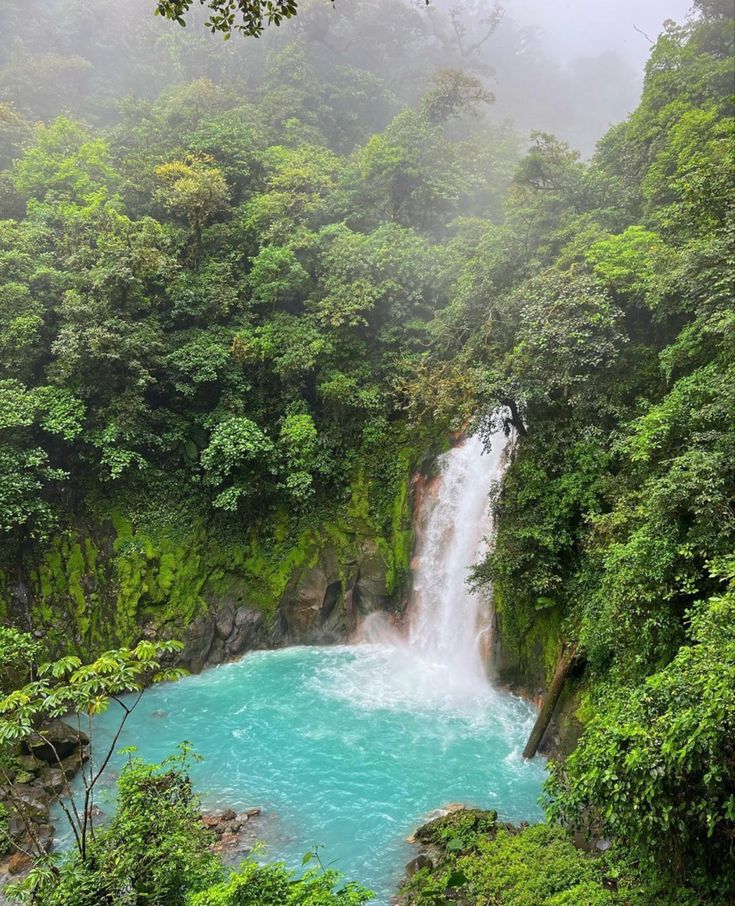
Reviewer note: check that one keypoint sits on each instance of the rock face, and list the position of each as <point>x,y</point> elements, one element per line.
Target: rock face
<point>38,773</point>
<point>527,669</point>
<point>323,603</point>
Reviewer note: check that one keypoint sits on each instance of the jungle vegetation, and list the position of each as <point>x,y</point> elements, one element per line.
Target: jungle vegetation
<point>228,295</point>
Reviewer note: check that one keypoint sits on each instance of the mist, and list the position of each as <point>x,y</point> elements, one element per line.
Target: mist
<point>573,28</point>
<point>572,68</point>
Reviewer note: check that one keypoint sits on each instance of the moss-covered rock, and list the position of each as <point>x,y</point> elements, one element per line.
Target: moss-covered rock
<point>471,858</point>
<point>110,579</point>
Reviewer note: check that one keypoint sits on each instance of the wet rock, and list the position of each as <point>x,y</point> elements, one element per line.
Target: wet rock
<point>302,602</point>
<point>217,653</point>
<point>74,762</point>
<point>199,642</point>
<point>34,800</point>
<point>227,828</point>
<point>369,593</point>
<point>45,836</point>
<point>247,632</point>
<point>56,740</point>
<point>225,622</point>
<point>53,780</point>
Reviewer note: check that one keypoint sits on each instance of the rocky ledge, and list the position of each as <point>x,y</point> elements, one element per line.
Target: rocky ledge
<point>323,603</point>
<point>447,834</point>
<point>42,767</point>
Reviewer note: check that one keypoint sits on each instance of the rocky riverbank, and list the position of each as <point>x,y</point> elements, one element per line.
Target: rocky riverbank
<point>39,773</point>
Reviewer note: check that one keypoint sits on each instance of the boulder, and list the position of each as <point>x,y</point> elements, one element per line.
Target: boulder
<point>28,763</point>
<point>34,800</point>
<point>247,632</point>
<point>54,781</point>
<point>59,741</point>
<point>45,836</point>
<point>74,762</point>
<point>224,622</point>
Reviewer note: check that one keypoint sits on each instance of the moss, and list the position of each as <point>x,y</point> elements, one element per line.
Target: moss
<point>98,588</point>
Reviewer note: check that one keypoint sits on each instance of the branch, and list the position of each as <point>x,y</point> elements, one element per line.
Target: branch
<point>90,788</point>
<point>635,27</point>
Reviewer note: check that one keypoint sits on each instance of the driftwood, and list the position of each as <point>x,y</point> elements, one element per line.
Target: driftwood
<point>563,667</point>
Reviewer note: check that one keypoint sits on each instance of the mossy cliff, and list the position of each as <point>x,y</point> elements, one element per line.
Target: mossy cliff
<point>524,662</point>
<point>284,579</point>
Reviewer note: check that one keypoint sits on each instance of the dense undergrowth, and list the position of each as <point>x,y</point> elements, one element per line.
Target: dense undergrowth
<point>233,316</point>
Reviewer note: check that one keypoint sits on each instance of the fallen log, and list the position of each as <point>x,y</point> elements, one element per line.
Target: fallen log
<point>561,672</point>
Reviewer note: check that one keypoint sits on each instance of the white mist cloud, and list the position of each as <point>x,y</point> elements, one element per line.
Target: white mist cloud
<point>588,27</point>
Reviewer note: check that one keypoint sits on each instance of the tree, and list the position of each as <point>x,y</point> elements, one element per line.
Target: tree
<point>657,766</point>
<point>236,461</point>
<point>249,17</point>
<point>67,686</point>
<point>194,188</point>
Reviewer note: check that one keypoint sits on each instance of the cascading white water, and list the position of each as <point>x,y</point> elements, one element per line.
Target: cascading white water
<point>447,619</point>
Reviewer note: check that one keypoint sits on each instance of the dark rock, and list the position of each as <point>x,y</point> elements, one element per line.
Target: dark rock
<point>53,780</point>
<point>59,741</point>
<point>247,633</point>
<point>217,653</point>
<point>225,622</point>
<point>302,602</point>
<point>199,642</point>
<point>34,800</point>
<point>16,826</point>
<point>369,593</point>
<point>228,815</point>
<point>45,836</point>
<point>74,762</point>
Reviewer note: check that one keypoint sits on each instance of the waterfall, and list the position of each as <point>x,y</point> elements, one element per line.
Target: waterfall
<point>447,619</point>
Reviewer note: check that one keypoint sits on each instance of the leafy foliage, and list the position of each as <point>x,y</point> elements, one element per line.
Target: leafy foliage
<point>482,861</point>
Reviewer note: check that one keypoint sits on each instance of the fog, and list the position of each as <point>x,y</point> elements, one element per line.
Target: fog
<point>601,47</point>
<point>573,28</point>
<point>572,67</point>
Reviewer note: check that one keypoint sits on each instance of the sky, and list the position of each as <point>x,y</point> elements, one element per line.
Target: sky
<point>586,27</point>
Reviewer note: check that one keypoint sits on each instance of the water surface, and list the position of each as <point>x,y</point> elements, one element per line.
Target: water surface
<point>345,747</point>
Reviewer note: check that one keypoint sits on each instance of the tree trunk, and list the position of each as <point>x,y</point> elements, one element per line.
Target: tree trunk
<point>563,666</point>
<point>515,416</point>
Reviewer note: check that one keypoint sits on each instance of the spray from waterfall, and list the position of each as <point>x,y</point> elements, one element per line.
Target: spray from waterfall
<point>442,653</point>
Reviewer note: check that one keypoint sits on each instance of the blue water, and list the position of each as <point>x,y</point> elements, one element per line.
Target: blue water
<point>345,747</point>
